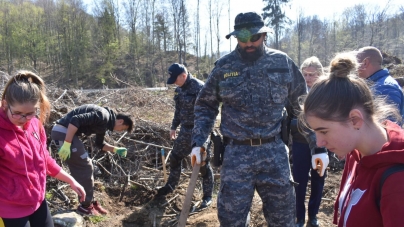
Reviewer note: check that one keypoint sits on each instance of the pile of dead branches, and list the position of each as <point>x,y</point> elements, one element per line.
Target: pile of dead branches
<point>152,112</point>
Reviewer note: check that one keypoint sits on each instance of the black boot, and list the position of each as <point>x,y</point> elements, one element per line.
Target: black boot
<point>300,223</point>
<point>314,222</point>
<point>206,202</point>
<point>163,191</point>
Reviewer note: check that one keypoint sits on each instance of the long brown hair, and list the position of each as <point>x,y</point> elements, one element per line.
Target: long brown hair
<point>26,86</point>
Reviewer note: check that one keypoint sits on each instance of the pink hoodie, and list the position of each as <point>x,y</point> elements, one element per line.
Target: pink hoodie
<point>24,164</point>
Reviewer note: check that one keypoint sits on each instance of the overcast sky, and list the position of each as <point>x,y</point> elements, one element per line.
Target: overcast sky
<point>322,8</point>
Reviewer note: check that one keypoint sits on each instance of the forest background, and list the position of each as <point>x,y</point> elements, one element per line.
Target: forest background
<point>131,43</point>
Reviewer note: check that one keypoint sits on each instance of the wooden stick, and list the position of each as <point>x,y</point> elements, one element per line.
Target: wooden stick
<point>124,188</point>
<point>168,156</point>
<point>188,197</point>
<point>166,215</point>
<point>121,137</point>
<point>60,96</point>
<point>141,185</point>
<point>164,165</point>
<point>169,200</point>
<point>154,145</point>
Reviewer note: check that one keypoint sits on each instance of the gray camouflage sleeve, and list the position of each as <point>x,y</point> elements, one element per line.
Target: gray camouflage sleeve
<point>206,109</point>
<point>176,120</point>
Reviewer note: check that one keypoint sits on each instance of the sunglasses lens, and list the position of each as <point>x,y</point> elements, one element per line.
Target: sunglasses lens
<point>243,39</point>
<point>252,39</point>
<point>255,38</point>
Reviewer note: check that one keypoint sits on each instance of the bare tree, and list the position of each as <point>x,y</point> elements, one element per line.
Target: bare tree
<point>217,15</point>
<point>299,30</point>
<point>230,29</point>
<point>210,29</point>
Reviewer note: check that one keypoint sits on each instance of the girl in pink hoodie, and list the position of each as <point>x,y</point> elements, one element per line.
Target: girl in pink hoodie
<point>24,159</point>
<point>349,121</point>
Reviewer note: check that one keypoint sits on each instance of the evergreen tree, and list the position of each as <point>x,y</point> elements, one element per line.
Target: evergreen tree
<point>273,11</point>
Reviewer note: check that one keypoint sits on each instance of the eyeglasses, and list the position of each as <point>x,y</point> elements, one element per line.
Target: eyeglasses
<point>312,74</point>
<point>20,116</point>
<point>253,38</point>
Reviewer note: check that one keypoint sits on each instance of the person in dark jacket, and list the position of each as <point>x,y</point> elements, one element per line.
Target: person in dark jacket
<point>250,87</point>
<point>87,119</point>
<point>185,96</point>
<point>382,84</point>
<point>311,69</point>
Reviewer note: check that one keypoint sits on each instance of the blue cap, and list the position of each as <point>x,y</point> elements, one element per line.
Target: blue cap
<point>175,70</point>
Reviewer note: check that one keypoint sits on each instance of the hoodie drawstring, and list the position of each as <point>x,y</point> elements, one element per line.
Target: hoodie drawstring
<point>31,186</point>
<point>25,162</point>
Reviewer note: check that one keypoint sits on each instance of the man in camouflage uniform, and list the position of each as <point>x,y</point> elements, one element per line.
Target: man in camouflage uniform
<point>254,83</point>
<point>185,96</point>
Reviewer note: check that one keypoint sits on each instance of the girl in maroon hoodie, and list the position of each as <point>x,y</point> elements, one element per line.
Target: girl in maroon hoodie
<point>24,159</point>
<point>349,121</point>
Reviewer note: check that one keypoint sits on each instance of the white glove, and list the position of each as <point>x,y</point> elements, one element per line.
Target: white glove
<point>196,155</point>
<point>320,162</point>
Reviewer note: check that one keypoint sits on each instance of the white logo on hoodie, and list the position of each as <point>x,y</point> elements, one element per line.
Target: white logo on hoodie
<point>356,195</point>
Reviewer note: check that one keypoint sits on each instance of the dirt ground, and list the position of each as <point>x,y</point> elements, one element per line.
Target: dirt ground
<point>138,208</point>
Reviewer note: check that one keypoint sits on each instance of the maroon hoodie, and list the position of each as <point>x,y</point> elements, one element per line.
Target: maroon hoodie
<point>24,164</point>
<point>356,203</point>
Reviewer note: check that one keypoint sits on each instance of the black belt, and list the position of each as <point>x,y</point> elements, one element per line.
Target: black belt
<point>251,142</point>
<point>188,126</point>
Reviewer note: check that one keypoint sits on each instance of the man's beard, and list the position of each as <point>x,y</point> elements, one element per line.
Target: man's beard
<point>252,56</point>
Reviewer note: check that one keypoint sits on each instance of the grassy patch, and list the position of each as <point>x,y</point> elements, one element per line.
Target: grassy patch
<point>96,219</point>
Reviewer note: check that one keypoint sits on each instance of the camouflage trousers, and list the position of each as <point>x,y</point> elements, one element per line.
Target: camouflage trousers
<point>182,148</point>
<point>264,169</point>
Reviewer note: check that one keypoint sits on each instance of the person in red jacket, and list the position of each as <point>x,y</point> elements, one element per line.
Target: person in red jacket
<point>24,160</point>
<point>349,121</point>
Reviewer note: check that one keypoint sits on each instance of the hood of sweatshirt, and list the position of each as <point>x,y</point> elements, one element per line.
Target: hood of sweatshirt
<point>391,152</point>
<point>6,124</point>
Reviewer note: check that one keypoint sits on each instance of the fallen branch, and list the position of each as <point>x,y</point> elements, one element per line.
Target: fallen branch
<point>124,188</point>
<point>167,215</point>
<point>188,174</point>
<point>151,144</point>
<point>169,200</point>
<point>60,96</point>
<point>141,185</point>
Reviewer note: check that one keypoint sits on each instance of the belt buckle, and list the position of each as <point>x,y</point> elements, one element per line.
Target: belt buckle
<point>255,145</point>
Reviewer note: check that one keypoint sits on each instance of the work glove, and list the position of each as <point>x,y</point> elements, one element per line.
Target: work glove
<point>196,156</point>
<point>320,160</point>
<point>64,151</point>
<point>121,151</point>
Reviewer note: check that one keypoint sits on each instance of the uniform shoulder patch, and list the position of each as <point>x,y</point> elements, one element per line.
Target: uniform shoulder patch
<point>230,74</point>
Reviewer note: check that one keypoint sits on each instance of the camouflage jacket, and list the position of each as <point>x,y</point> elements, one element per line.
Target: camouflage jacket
<point>184,99</point>
<point>253,95</point>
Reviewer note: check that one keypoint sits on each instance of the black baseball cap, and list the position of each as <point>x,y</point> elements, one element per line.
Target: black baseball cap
<point>175,70</point>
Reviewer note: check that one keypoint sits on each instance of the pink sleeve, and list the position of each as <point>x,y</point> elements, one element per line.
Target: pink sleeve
<point>391,202</point>
<point>51,166</point>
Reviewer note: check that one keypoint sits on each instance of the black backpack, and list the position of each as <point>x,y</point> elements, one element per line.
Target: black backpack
<point>387,173</point>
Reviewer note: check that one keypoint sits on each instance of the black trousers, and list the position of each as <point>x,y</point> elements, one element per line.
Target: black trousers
<point>40,218</point>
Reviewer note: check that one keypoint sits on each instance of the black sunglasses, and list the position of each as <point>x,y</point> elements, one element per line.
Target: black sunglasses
<point>253,38</point>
